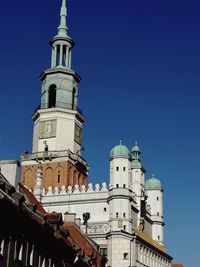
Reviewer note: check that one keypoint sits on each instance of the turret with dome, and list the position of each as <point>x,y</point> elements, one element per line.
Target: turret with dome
<point>153,184</point>
<point>120,151</point>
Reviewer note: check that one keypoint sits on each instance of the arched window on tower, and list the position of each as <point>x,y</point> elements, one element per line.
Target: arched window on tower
<point>52,96</point>
<point>73,98</point>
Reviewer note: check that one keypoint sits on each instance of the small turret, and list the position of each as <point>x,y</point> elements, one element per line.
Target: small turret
<point>137,172</point>
<point>120,213</point>
<point>136,157</point>
<point>119,166</point>
<point>154,192</point>
<point>120,201</point>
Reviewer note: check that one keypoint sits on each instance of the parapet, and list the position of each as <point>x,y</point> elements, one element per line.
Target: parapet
<point>75,190</point>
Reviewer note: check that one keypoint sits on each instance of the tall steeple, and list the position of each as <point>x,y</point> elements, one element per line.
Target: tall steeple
<point>60,89</point>
<point>58,122</point>
<point>62,43</point>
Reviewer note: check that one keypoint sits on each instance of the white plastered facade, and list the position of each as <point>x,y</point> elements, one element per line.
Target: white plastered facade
<point>115,215</point>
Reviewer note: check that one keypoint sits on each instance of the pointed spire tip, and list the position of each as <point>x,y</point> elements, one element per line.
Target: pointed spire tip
<point>62,29</point>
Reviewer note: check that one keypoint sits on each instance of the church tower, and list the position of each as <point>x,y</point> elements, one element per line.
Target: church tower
<point>58,122</point>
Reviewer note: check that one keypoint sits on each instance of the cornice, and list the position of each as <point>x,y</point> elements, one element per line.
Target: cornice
<point>60,110</point>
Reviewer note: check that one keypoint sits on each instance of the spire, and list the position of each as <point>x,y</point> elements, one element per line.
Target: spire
<point>62,28</point>
<point>62,44</point>
<point>136,151</point>
<point>136,162</point>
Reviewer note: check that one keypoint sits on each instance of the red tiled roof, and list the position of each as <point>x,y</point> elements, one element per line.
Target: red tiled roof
<point>78,237</point>
<point>31,198</point>
<point>53,217</point>
<point>177,265</point>
<point>82,241</point>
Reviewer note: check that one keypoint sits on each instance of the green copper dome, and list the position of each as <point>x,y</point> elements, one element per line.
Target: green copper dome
<point>120,151</point>
<point>136,148</point>
<point>153,183</point>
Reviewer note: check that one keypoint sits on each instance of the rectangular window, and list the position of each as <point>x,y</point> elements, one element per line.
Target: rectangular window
<point>64,55</point>
<point>104,251</point>
<point>104,209</point>
<point>124,227</point>
<point>58,56</point>
<point>124,214</point>
<point>157,198</point>
<point>124,168</point>
<point>117,214</point>
<point>124,186</point>
<point>117,168</point>
<point>125,256</point>
<point>117,185</point>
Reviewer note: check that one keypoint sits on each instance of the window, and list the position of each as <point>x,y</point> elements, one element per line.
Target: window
<point>104,251</point>
<point>117,185</point>
<point>117,168</point>
<point>52,96</point>
<point>104,209</point>
<point>158,237</point>
<point>158,213</point>
<point>58,55</point>
<point>124,227</point>
<point>124,168</point>
<point>124,185</point>
<point>124,214</point>
<point>64,55</point>
<point>158,198</point>
<point>126,256</point>
<point>73,98</point>
<point>117,214</point>
<point>58,177</point>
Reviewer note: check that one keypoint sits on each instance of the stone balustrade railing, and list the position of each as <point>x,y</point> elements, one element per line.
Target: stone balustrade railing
<point>75,190</point>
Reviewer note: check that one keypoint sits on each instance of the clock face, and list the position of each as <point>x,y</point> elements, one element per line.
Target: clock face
<point>48,129</point>
<point>78,134</point>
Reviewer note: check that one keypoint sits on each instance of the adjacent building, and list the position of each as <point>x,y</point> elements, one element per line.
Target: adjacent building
<point>11,169</point>
<point>29,236</point>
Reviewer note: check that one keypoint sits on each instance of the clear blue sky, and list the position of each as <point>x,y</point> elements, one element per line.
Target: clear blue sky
<point>140,64</point>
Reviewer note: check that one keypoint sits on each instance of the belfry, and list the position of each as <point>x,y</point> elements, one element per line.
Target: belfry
<point>58,122</point>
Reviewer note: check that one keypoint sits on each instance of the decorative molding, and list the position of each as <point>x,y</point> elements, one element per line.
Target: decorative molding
<point>97,228</point>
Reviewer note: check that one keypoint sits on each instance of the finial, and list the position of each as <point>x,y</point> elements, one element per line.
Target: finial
<point>120,142</point>
<point>39,175</point>
<point>136,143</point>
<point>62,29</point>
